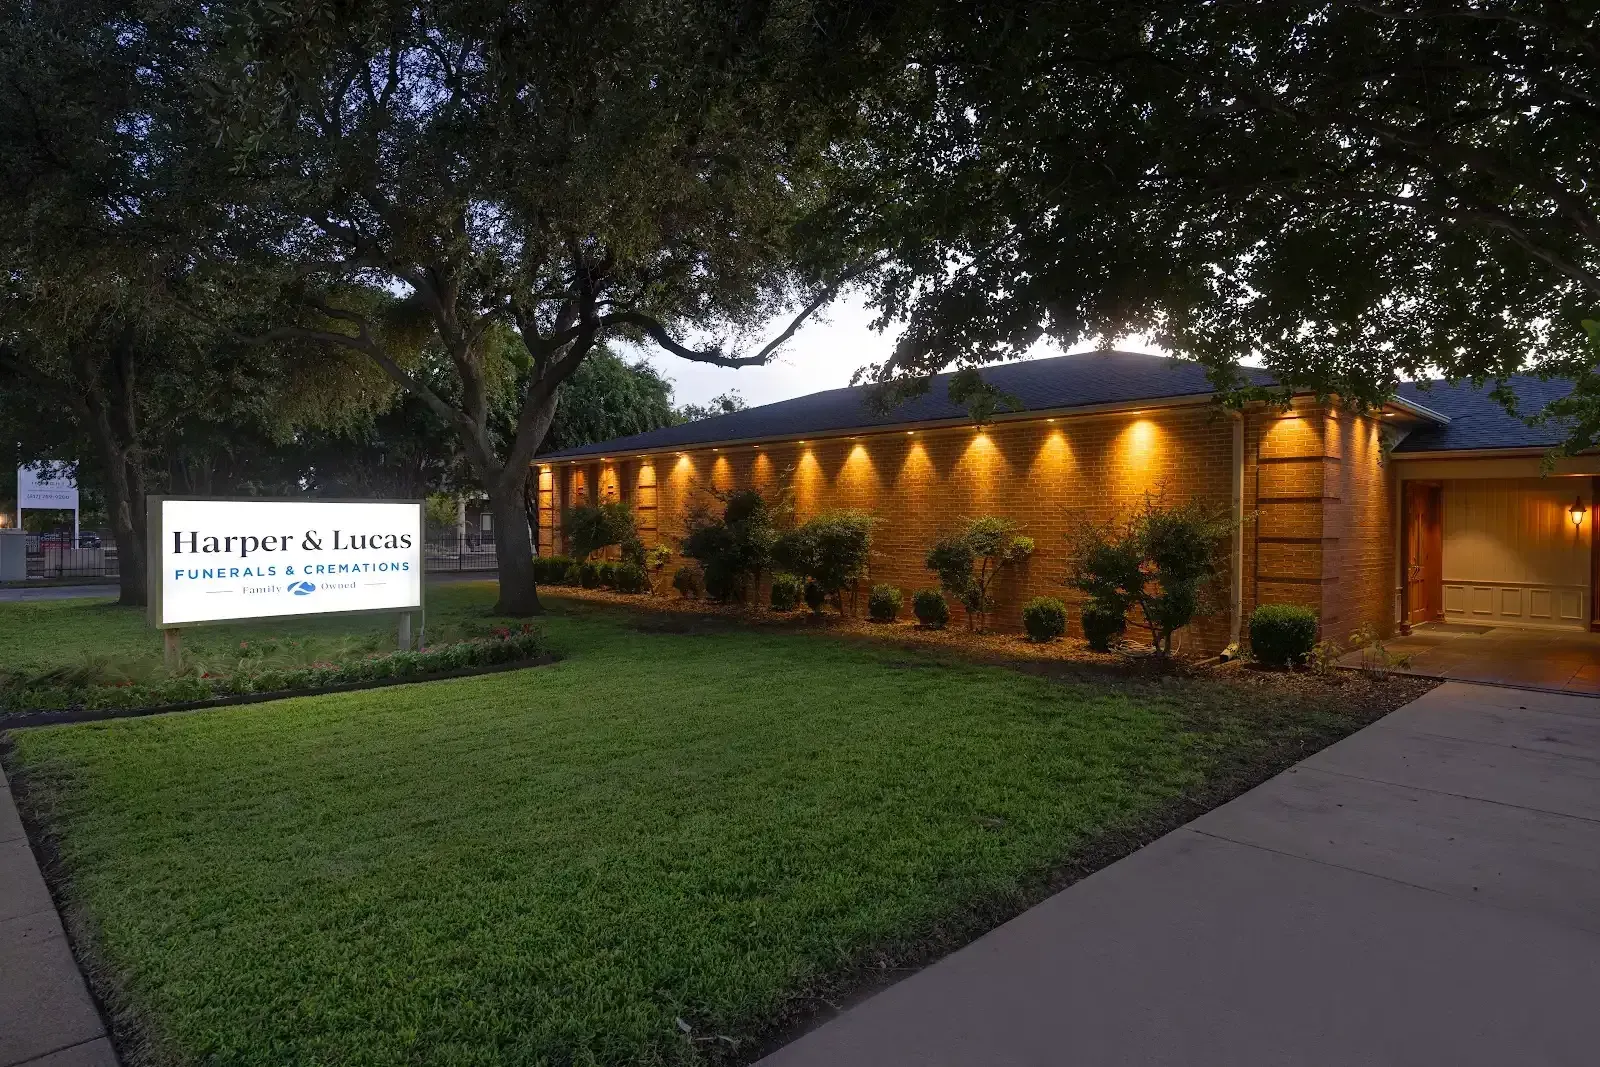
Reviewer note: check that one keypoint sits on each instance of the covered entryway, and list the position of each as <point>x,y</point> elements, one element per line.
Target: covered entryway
<point>1498,552</point>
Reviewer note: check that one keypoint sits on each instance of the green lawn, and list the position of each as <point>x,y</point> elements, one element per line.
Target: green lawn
<point>556,865</point>
<point>101,640</point>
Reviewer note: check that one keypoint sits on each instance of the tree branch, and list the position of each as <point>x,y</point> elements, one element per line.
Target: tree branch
<point>658,333</point>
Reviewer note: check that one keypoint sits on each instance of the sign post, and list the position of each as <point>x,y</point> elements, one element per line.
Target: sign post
<point>215,560</point>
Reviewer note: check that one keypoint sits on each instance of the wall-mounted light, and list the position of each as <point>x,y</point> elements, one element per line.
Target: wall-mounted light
<point>910,432</point>
<point>1577,511</point>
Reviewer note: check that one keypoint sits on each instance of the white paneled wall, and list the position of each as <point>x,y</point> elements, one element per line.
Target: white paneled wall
<point>1512,555</point>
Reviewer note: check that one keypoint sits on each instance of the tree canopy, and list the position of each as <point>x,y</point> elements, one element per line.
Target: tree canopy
<point>528,181</point>
<point>1352,191</point>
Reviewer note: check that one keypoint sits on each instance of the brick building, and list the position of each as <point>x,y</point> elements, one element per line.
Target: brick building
<point>1433,508</point>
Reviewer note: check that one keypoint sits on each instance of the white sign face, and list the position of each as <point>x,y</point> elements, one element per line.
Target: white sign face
<point>47,485</point>
<point>253,559</point>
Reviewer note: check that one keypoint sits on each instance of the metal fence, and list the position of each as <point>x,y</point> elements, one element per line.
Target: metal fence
<point>55,555</point>
<point>452,551</point>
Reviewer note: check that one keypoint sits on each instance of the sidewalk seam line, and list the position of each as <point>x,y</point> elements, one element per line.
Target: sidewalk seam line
<point>51,1052</point>
<point>1442,793</point>
<point>1400,881</point>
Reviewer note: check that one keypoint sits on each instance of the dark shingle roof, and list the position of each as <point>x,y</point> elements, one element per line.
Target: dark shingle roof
<point>1079,380</point>
<point>1477,420</point>
<point>1086,379</point>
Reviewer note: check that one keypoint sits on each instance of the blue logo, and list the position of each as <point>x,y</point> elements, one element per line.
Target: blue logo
<point>302,588</point>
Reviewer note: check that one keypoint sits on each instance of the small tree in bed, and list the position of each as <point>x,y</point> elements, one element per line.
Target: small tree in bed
<point>1163,560</point>
<point>967,562</point>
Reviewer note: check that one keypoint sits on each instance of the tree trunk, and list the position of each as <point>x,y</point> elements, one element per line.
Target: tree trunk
<point>124,488</point>
<point>513,548</point>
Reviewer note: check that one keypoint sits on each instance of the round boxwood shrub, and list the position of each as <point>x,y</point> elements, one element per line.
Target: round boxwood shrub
<point>787,589</point>
<point>1282,634</point>
<point>1045,618</point>
<point>589,575</point>
<point>689,582</point>
<point>608,574</point>
<point>883,603</point>
<point>1101,626</point>
<point>815,597</point>
<point>930,608</point>
<point>551,570</point>
<point>630,578</point>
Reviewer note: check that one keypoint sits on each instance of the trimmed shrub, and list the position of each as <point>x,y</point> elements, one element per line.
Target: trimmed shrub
<point>630,578</point>
<point>551,570</point>
<point>1102,625</point>
<point>590,527</point>
<point>608,574</point>
<point>1282,634</point>
<point>689,582</point>
<point>883,603</point>
<point>831,550</point>
<point>930,608</point>
<point>1045,618</point>
<point>787,589</point>
<point>815,597</point>
<point>733,546</point>
<point>589,575</point>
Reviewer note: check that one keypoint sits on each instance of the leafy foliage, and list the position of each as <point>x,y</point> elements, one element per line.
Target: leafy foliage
<point>733,543</point>
<point>1044,618</point>
<point>529,216</point>
<point>606,398</point>
<point>1160,559</point>
<point>1355,193</point>
<point>553,570</point>
<point>1102,624</point>
<point>831,550</point>
<point>787,589</point>
<point>689,581</point>
<point>883,603</point>
<point>630,578</point>
<point>722,404</point>
<point>968,561</point>
<point>1282,634</point>
<point>815,598</point>
<point>930,608</point>
<point>590,527</point>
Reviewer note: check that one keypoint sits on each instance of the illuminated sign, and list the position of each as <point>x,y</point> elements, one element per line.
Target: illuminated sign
<point>212,560</point>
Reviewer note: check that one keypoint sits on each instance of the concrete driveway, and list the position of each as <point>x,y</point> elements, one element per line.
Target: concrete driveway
<point>1426,891</point>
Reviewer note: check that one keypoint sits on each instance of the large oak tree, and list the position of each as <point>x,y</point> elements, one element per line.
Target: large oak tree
<point>559,173</point>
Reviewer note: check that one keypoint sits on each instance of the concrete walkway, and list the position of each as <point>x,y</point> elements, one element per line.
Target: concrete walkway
<point>46,1016</point>
<point>1426,891</point>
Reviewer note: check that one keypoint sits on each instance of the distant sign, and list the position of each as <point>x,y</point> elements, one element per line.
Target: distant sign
<point>213,560</point>
<point>47,484</point>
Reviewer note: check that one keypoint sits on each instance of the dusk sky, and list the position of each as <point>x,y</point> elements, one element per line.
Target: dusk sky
<point>822,355</point>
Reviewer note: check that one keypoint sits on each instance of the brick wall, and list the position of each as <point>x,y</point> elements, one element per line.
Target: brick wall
<point>1319,490</point>
<point>1312,480</point>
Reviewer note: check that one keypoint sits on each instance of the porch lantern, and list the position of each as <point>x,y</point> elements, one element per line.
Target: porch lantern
<point>1577,511</point>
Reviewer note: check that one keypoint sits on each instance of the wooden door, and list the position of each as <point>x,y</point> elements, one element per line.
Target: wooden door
<point>1424,552</point>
